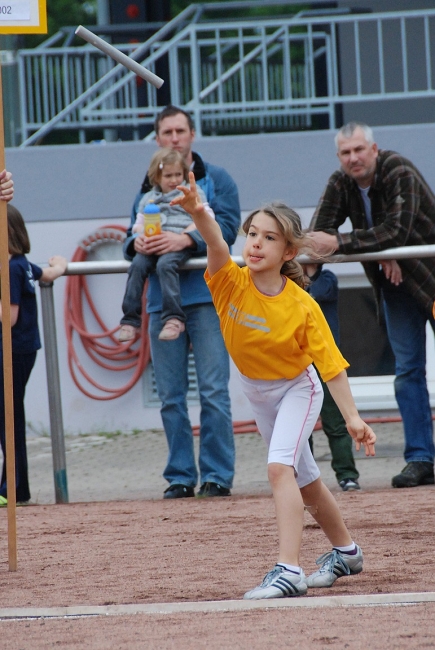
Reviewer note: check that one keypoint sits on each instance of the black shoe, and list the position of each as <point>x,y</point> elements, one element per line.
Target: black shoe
<point>178,491</point>
<point>213,490</point>
<point>349,484</point>
<point>415,473</point>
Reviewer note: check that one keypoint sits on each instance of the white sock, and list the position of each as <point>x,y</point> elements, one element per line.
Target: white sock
<point>346,549</point>
<point>290,567</point>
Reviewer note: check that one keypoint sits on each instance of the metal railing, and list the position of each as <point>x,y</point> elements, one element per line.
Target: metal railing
<point>235,76</point>
<point>98,268</point>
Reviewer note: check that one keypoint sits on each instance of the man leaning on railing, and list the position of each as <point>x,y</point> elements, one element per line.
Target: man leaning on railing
<point>389,204</point>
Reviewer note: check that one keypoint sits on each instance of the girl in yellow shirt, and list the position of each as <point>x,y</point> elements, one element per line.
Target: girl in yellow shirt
<point>274,331</point>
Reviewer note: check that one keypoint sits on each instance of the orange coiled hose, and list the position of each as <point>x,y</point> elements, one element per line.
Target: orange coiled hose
<point>102,347</point>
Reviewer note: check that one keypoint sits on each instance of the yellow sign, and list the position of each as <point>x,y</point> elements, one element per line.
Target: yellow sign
<point>23,17</point>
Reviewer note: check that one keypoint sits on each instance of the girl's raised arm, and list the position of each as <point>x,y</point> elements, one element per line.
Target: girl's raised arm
<point>217,248</point>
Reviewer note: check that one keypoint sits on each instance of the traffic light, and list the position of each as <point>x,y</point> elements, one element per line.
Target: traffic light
<point>126,11</point>
<point>138,11</point>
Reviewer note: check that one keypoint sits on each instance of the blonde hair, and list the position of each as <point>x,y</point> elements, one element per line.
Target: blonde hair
<point>164,157</point>
<point>289,223</point>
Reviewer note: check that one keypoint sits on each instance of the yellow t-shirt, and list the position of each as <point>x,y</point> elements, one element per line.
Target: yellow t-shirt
<point>272,337</point>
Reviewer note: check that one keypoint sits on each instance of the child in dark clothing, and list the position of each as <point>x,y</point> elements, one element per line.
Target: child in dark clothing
<point>25,342</point>
<point>323,288</point>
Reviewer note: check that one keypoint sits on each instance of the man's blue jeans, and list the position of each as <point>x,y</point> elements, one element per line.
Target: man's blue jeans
<point>406,327</point>
<point>170,360</point>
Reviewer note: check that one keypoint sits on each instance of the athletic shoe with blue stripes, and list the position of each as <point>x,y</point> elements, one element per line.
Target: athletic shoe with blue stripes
<point>335,565</point>
<point>279,583</point>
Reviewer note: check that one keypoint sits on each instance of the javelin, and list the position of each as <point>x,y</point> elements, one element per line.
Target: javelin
<point>119,56</point>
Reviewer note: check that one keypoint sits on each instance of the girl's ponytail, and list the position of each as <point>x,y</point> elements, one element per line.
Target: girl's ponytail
<point>293,270</point>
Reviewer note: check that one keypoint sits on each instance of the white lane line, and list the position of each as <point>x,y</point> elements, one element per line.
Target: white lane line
<point>371,600</point>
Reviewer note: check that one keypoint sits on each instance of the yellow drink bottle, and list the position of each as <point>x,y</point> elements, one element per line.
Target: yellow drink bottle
<point>152,220</point>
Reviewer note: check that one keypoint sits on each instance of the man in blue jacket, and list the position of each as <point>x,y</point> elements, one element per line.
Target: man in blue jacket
<point>175,129</point>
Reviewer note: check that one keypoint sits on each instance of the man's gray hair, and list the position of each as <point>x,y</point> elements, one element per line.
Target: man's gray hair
<point>348,130</point>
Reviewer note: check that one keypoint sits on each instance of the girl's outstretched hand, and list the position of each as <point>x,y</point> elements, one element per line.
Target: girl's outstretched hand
<point>362,434</point>
<point>189,199</point>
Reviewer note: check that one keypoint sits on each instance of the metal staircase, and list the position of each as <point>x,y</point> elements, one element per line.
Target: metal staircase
<point>235,75</point>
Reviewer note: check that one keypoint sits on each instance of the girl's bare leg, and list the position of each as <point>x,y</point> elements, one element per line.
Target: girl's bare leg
<point>289,509</point>
<point>323,507</point>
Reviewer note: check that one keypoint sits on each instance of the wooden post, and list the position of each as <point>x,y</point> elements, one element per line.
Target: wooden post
<point>29,17</point>
<point>7,361</point>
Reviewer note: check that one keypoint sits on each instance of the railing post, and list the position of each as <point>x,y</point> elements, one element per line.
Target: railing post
<point>54,397</point>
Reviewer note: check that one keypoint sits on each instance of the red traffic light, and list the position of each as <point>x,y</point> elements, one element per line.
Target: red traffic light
<point>132,11</point>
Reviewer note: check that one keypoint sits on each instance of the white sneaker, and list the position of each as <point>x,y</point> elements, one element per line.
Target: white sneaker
<point>335,565</point>
<point>279,583</point>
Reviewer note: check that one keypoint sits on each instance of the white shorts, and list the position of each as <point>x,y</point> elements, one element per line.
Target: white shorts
<point>286,411</point>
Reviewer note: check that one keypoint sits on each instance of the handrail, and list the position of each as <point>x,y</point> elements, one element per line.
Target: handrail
<point>400,253</point>
<point>91,268</point>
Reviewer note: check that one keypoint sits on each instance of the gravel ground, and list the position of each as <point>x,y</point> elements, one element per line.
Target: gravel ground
<point>118,543</point>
